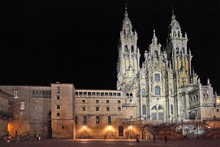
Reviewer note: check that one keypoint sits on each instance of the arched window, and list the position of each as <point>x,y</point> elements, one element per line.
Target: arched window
<point>143,92</point>
<point>157,77</point>
<point>154,107</point>
<point>171,107</point>
<point>174,33</point>
<point>157,90</point>
<point>160,107</point>
<point>144,109</point>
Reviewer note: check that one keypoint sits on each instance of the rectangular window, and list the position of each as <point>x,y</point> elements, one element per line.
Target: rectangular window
<point>76,120</point>
<point>109,120</point>
<point>107,108</point>
<point>33,93</point>
<point>83,101</point>
<point>154,116</point>
<point>15,94</point>
<point>84,120</point>
<point>58,97</point>
<point>130,100</point>
<point>107,101</point>
<point>119,108</point>
<point>58,89</point>
<point>97,101</point>
<point>22,106</point>
<point>97,119</point>
<point>58,114</point>
<point>119,101</point>
<point>44,94</point>
<point>58,106</point>
<point>83,108</point>
<point>97,108</point>
<point>161,116</point>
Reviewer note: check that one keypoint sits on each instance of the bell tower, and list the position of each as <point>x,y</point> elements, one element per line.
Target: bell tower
<point>129,57</point>
<point>178,53</point>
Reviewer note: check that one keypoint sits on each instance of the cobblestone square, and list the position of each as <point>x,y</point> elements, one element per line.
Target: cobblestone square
<point>116,143</point>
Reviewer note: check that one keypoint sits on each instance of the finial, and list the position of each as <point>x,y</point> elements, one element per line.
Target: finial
<point>173,15</point>
<point>126,8</point>
<point>172,11</point>
<point>154,33</point>
<point>126,5</point>
<point>154,39</point>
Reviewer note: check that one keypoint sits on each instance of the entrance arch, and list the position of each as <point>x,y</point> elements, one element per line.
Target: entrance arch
<point>120,131</point>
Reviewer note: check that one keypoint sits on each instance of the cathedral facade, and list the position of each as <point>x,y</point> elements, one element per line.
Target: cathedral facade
<point>164,89</point>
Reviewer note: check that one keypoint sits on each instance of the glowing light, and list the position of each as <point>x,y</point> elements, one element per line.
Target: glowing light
<point>218,101</point>
<point>84,127</point>
<point>109,128</point>
<point>130,127</point>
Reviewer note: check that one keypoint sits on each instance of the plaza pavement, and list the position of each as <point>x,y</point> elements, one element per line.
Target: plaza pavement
<point>114,143</point>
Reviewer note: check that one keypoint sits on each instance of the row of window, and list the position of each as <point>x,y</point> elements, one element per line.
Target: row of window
<point>98,108</point>
<point>97,101</point>
<point>194,97</point>
<point>97,93</point>
<point>126,48</point>
<point>97,120</point>
<point>41,93</point>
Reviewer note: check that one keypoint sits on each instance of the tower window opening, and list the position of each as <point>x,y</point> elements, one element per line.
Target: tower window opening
<point>132,49</point>
<point>177,50</point>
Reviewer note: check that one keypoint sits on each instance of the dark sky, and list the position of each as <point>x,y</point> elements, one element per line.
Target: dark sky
<point>75,41</point>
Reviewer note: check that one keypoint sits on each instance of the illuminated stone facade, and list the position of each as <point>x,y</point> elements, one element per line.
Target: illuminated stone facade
<point>163,89</point>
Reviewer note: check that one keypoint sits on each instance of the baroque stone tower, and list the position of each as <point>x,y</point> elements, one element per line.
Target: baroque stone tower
<point>129,57</point>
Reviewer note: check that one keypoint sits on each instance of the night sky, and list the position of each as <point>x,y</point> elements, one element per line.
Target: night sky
<point>75,41</point>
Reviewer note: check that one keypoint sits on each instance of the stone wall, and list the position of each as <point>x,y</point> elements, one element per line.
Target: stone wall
<point>4,113</point>
<point>30,114</point>
<point>62,110</point>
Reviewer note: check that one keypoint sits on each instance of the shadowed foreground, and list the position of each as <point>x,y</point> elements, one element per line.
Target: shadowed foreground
<point>115,143</point>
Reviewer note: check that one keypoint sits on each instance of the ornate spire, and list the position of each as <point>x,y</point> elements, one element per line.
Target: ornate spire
<point>127,27</point>
<point>173,16</point>
<point>154,39</point>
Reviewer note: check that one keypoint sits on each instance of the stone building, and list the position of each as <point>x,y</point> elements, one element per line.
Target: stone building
<point>163,89</point>
<point>5,114</point>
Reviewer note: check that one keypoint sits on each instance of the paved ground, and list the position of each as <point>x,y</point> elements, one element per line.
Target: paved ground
<point>114,143</point>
